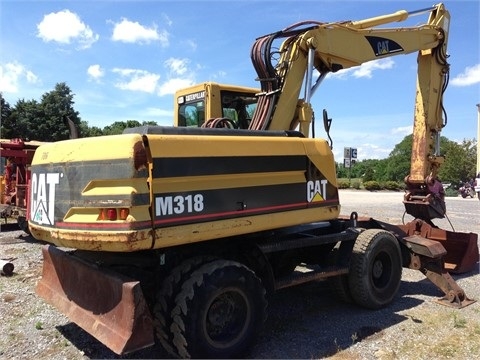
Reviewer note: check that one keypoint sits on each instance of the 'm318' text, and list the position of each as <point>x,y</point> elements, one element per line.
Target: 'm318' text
<point>178,204</point>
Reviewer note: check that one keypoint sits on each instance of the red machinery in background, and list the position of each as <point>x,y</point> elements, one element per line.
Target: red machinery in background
<point>16,156</point>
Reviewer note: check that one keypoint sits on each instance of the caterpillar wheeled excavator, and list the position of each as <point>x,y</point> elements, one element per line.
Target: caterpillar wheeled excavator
<point>180,233</point>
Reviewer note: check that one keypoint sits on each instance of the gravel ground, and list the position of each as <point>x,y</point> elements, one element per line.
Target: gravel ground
<point>304,322</point>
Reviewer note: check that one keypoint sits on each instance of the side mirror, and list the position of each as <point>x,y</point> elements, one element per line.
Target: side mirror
<point>326,121</point>
<point>326,124</point>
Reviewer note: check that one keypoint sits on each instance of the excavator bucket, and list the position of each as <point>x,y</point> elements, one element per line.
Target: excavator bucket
<point>108,305</point>
<point>462,248</point>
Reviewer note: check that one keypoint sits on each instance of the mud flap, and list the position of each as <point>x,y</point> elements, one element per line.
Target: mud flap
<point>107,305</point>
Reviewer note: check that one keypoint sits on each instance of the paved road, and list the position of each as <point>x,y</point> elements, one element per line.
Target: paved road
<point>462,214</point>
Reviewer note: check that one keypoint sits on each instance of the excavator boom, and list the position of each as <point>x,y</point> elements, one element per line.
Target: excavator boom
<point>315,47</point>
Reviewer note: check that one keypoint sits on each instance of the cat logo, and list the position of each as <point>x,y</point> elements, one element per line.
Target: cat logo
<point>383,46</point>
<point>42,204</point>
<point>316,190</point>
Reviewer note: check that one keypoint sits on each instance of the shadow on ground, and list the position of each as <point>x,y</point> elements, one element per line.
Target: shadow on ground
<point>304,322</point>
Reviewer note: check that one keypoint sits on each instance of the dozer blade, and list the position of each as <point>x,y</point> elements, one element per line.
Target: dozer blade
<point>108,305</point>
<point>462,248</point>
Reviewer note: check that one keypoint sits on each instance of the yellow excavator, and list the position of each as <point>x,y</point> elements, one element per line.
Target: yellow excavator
<point>179,233</point>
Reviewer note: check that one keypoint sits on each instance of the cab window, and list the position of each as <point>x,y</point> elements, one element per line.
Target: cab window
<point>238,107</point>
<point>191,114</point>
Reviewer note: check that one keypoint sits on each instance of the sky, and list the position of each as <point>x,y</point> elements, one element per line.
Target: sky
<point>123,60</point>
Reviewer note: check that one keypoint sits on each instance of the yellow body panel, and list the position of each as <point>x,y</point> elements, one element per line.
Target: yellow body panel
<point>185,234</point>
<point>181,167</point>
<point>88,149</point>
<point>113,241</point>
<point>92,174</point>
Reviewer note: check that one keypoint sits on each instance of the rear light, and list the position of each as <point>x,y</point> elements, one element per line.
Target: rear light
<point>113,214</point>
<point>123,213</point>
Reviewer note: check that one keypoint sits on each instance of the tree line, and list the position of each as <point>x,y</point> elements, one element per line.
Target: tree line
<point>459,165</point>
<point>46,120</point>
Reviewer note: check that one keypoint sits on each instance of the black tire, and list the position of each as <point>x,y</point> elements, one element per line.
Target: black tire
<point>165,299</point>
<point>220,311</point>
<point>23,224</point>
<point>375,269</point>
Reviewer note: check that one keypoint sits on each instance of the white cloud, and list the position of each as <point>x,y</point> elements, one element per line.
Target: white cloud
<point>132,32</point>
<point>470,76</point>
<point>403,130</point>
<point>177,66</point>
<point>365,70</point>
<point>65,27</point>
<point>167,19</point>
<point>173,85</point>
<point>372,151</point>
<point>11,74</point>
<point>95,72</point>
<point>191,44</point>
<point>158,112</point>
<point>137,80</point>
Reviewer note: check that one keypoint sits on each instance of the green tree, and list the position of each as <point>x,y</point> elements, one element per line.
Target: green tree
<point>342,171</point>
<point>87,131</point>
<point>57,106</point>
<point>5,113</point>
<point>45,120</point>
<point>369,174</point>
<point>118,126</point>
<point>380,170</point>
<point>460,161</point>
<point>22,119</point>
<point>398,164</point>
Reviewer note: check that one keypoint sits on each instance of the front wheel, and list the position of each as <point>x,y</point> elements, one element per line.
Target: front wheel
<point>375,268</point>
<point>219,311</point>
<point>23,224</point>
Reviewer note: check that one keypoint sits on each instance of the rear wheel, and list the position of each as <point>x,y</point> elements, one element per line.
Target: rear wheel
<point>165,301</point>
<point>375,269</point>
<point>219,311</point>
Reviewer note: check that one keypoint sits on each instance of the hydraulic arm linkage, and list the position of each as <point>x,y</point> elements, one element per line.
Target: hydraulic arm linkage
<point>309,47</point>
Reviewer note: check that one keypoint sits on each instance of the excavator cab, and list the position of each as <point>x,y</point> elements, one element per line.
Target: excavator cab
<point>219,105</point>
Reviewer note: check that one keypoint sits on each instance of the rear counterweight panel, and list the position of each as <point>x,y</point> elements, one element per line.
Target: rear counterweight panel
<point>192,186</point>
